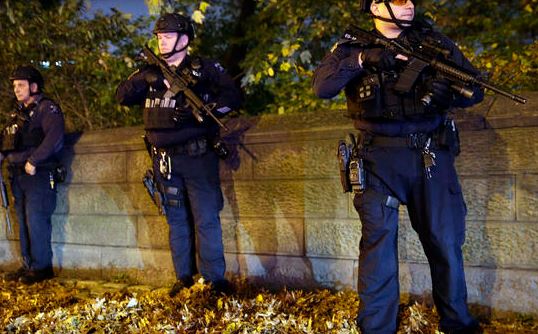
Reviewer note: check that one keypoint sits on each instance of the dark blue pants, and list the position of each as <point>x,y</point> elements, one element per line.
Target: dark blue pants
<point>35,202</point>
<point>195,223</point>
<point>437,211</point>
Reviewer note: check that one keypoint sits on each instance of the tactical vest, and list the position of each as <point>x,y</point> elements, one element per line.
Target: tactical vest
<point>374,95</point>
<point>165,112</point>
<point>17,135</point>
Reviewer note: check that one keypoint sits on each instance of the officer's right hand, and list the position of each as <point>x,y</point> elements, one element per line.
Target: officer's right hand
<point>379,58</point>
<point>154,77</point>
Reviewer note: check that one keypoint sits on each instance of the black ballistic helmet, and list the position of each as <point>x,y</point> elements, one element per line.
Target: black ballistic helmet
<point>30,73</point>
<point>173,22</point>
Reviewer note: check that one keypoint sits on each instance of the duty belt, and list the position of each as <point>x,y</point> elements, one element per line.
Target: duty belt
<point>413,140</point>
<point>193,147</point>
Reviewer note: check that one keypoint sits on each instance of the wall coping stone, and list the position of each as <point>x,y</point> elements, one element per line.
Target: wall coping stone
<point>494,113</point>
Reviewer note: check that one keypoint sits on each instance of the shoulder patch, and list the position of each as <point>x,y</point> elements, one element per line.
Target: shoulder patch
<point>49,106</point>
<point>347,38</point>
<point>53,109</point>
<point>132,74</point>
<point>219,67</point>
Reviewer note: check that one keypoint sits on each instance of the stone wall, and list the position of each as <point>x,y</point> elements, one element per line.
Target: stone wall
<point>286,220</point>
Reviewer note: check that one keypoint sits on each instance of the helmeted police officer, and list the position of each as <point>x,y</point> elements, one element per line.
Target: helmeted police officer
<point>185,165</point>
<point>409,145</point>
<point>31,141</point>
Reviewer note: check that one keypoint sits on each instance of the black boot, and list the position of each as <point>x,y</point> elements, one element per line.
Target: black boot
<point>223,287</point>
<point>182,283</point>
<point>14,276</point>
<point>474,328</point>
<point>36,276</point>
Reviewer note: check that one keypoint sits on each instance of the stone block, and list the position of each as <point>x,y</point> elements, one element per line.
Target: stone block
<point>97,199</point>
<point>9,252</point>
<point>278,271</point>
<point>152,232</point>
<point>333,273</point>
<point>71,256</point>
<point>508,290</point>
<point>336,238</point>
<point>3,226</point>
<point>229,234</point>
<point>62,198</point>
<point>316,198</point>
<point>527,197</point>
<point>489,244</point>
<point>501,289</point>
<point>137,164</point>
<point>489,198</point>
<point>300,159</point>
<point>500,150</point>
<point>98,168</point>
<point>272,270</point>
<point>505,245</point>
<point>94,230</point>
<point>139,200</point>
<point>122,257</point>
<point>280,235</point>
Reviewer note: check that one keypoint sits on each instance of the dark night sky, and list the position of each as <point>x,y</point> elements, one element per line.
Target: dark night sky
<point>135,7</point>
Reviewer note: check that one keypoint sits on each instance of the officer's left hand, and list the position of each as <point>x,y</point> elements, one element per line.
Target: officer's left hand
<point>154,77</point>
<point>441,93</point>
<point>29,168</point>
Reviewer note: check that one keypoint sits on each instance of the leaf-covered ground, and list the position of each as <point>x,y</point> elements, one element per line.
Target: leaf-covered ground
<point>67,306</point>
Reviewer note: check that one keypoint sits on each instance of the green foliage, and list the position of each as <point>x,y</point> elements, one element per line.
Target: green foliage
<point>87,58</point>
<point>285,40</point>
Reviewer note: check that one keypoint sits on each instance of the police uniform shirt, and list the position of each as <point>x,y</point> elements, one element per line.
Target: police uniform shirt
<point>46,115</point>
<point>214,85</point>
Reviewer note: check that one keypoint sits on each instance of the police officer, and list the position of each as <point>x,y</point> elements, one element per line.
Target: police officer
<point>31,141</point>
<point>408,148</point>
<point>186,166</point>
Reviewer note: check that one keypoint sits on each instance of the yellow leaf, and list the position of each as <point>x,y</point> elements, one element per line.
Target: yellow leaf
<point>494,45</point>
<point>528,8</point>
<point>285,51</point>
<point>281,110</point>
<point>272,58</point>
<point>270,72</point>
<point>198,17</point>
<point>489,65</point>
<point>203,6</point>
<point>259,299</point>
<point>285,67</point>
<point>220,303</point>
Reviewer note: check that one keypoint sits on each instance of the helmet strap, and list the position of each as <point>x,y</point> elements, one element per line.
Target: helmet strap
<point>174,51</point>
<point>37,92</point>
<point>402,24</point>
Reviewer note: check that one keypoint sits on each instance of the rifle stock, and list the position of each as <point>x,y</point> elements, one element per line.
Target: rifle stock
<point>180,84</point>
<point>453,73</point>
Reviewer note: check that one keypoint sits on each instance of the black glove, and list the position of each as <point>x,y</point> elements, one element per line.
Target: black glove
<point>379,58</point>
<point>440,93</point>
<point>154,77</point>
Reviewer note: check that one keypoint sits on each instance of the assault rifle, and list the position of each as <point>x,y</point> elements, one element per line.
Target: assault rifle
<point>426,55</point>
<point>181,83</point>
